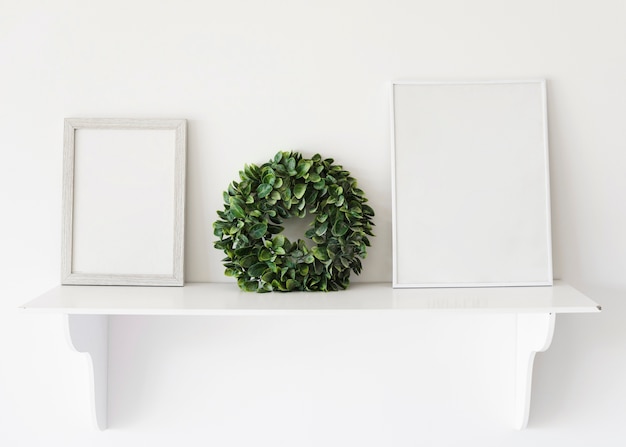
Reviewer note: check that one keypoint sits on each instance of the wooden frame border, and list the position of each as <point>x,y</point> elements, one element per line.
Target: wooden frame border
<point>176,278</point>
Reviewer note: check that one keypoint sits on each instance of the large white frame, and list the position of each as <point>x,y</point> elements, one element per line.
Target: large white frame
<point>123,202</point>
<point>470,184</point>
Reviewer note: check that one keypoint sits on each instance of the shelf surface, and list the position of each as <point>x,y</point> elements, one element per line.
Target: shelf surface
<point>227,299</point>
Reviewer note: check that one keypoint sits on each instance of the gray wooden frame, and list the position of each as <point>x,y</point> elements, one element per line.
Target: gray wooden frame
<point>175,277</point>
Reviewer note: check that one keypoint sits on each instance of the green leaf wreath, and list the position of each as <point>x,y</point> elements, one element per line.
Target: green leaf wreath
<point>288,186</point>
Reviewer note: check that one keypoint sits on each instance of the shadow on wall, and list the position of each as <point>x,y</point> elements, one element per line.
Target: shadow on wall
<point>579,380</point>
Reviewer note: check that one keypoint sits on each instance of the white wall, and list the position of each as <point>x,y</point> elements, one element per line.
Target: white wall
<point>252,78</point>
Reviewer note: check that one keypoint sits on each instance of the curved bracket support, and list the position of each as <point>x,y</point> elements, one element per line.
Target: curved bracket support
<point>534,334</point>
<point>88,334</point>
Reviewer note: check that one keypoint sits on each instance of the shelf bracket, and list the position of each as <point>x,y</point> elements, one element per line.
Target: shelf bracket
<point>534,334</point>
<point>88,334</point>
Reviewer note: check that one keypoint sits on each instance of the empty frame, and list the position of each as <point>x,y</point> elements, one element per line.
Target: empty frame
<point>471,203</point>
<point>123,202</point>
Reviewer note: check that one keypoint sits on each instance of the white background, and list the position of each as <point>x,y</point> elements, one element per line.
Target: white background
<point>255,77</point>
<point>123,201</point>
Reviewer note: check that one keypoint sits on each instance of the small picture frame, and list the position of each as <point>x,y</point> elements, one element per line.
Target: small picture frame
<point>470,184</point>
<point>123,202</point>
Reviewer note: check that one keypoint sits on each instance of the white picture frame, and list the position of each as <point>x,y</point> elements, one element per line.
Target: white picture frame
<point>470,184</point>
<point>123,202</point>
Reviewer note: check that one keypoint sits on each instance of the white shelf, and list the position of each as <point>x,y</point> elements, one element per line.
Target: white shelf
<point>227,299</point>
<point>88,308</point>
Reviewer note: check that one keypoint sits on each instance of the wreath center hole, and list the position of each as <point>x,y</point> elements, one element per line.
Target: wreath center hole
<point>295,227</point>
